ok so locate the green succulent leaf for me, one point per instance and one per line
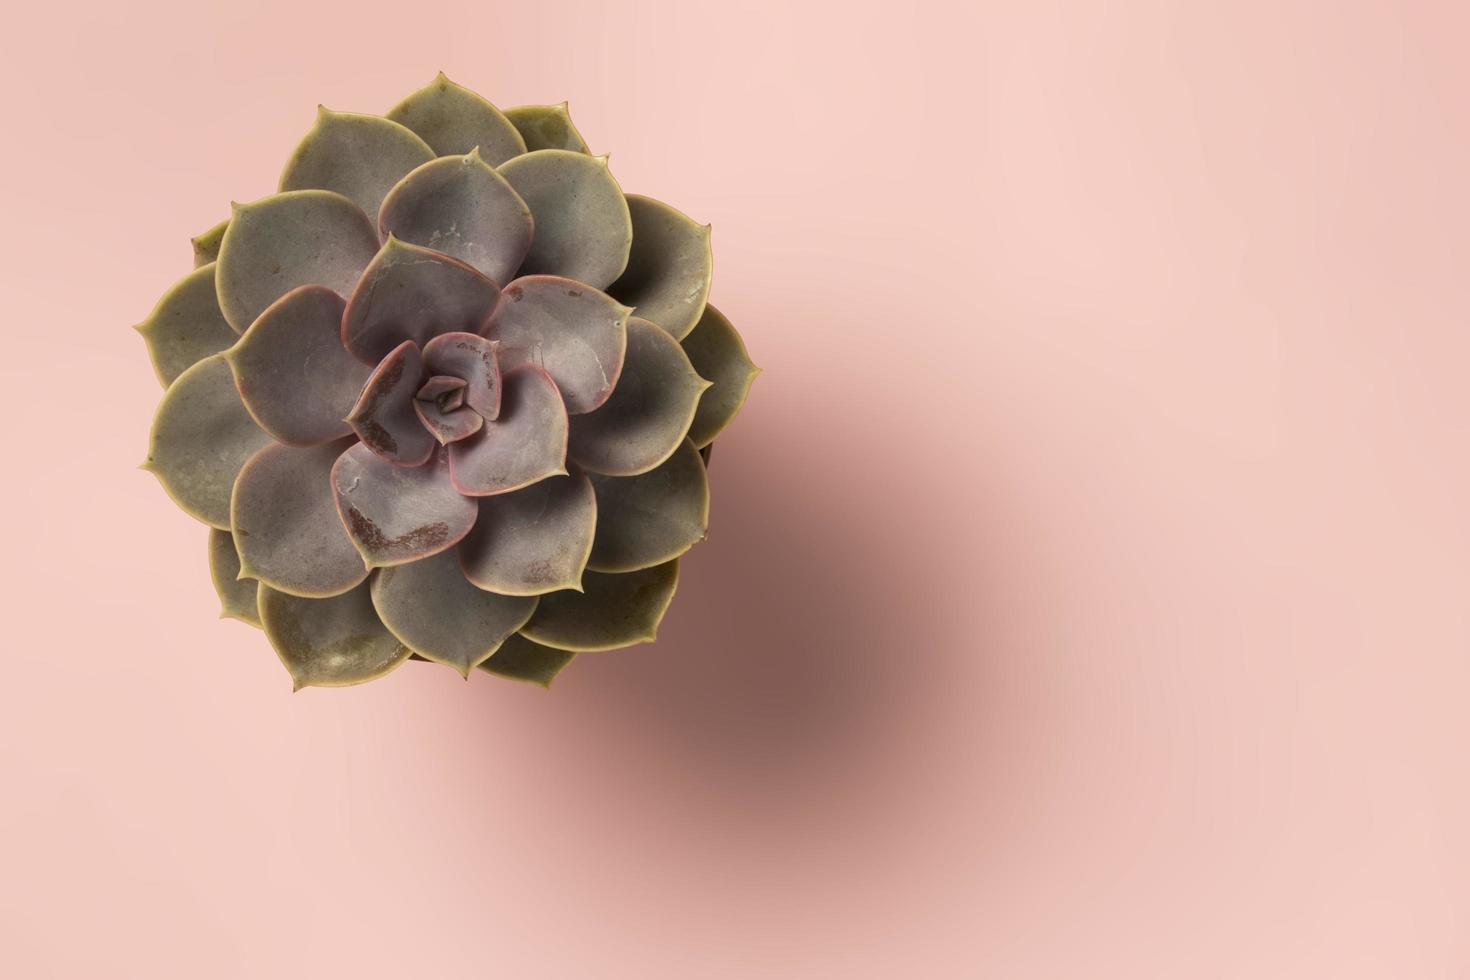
(284, 515)
(577, 334)
(650, 518)
(583, 231)
(669, 267)
(462, 207)
(527, 441)
(398, 514)
(519, 659)
(201, 437)
(414, 293)
(532, 541)
(186, 326)
(206, 246)
(384, 417)
(613, 610)
(298, 238)
(359, 156)
(547, 127)
(718, 353)
(236, 594)
(649, 412)
(331, 642)
(294, 375)
(438, 614)
(453, 120)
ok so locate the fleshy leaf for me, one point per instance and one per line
(526, 443)
(647, 519)
(649, 412)
(534, 540)
(448, 425)
(287, 240)
(330, 642)
(613, 611)
(471, 358)
(432, 608)
(286, 525)
(519, 659)
(441, 387)
(202, 435)
(718, 353)
(206, 246)
(359, 156)
(294, 375)
(577, 334)
(453, 120)
(236, 594)
(186, 326)
(669, 268)
(583, 230)
(396, 514)
(414, 293)
(547, 127)
(461, 206)
(384, 418)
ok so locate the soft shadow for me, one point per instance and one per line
(801, 642)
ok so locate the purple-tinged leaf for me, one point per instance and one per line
(613, 610)
(575, 333)
(462, 207)
(534, 540)
(294, 375)
(471, 358)
(359, 156)
(438, 614)
(527, 441)
(414, 293)
(441, 387)
(298, 238)
(583, 230)
(201, 437)
(649, 412)
(396, 514)
(286, 526)
(384, 417)
(448, 426)
(330, 642)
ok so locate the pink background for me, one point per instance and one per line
(1087, 587)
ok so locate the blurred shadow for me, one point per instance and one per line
(802, 640)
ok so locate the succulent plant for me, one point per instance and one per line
(447, 395)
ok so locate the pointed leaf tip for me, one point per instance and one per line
(582, 226)
(648, 413)
(617, 610)
(463, 207)
(329, 642)
(669, 268)
(452, 119)
(717, 353)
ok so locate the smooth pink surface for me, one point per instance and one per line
(1087, 593)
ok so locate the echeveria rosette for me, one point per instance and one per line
(447, 395)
